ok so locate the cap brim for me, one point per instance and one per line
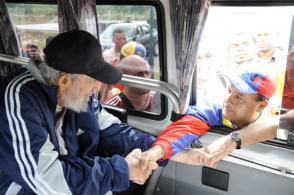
(238, 83)
(107, 74)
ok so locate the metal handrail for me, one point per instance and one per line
(14, 59)
(164, 88)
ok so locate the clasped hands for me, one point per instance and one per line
(141, 164)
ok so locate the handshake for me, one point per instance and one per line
(141, 164)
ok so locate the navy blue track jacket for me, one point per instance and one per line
(30, 158)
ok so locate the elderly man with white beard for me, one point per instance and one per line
(52, 131)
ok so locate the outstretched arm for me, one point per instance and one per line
(174, 138)
(222, 147)
(180, 134)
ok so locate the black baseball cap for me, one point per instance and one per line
(79, 52)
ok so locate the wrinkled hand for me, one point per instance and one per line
(151, 156)
(136, 173)
(192, 156)
(218, 150)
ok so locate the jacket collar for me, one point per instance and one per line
(51, 92)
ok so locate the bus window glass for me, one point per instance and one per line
(124, 30)
(246, 38)
(129, 40)
(35, 24)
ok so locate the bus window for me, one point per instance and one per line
(130, 42)
(35, 24)
(123, 30)
(248, 37)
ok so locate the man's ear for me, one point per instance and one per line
(262, 105)
(64, 80)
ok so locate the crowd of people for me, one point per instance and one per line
(258, 50)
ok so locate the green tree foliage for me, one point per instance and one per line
(32, 13)
(36, 13)
(122, 12)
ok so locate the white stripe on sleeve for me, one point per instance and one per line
(21, 140)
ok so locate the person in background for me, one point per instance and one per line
(131, 97)
(242, 49)
(119, 39)
(207, 81)
(268, 52)
(130, 48)
(34, 53)
(272, 59)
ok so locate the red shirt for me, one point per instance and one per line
(288, 97)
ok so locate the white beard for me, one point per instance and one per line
(75, 103)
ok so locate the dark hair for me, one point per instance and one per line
(116, 31)
(261, 98)
(249, 36)
(32, 46)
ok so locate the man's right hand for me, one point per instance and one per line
(136, 173)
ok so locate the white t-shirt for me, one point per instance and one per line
(111, 56)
